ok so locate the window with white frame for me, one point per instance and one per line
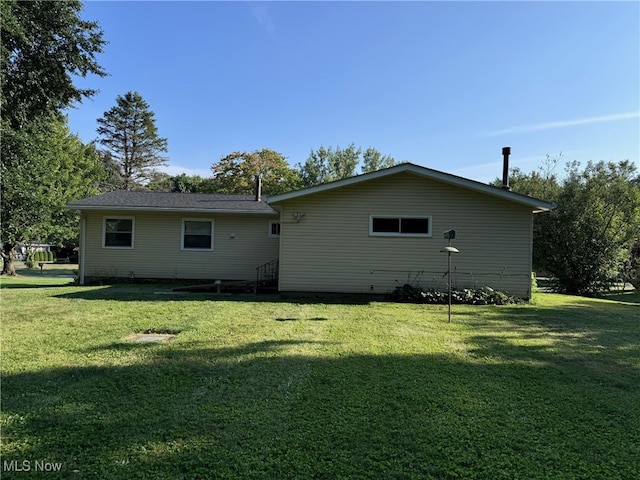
(117, 232)
(400, 226)
(274, 229)
(197, 234)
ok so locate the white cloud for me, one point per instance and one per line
(564, 123)
(261, 14)
(175, 170)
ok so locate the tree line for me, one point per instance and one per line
(591, 240)
(132, 150)
(235, 173)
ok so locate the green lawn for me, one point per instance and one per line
(314, 387)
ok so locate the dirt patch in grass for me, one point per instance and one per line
(154, 335)
(150, 337)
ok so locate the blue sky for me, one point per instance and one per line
(441, 84)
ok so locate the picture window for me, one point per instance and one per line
(391, 226)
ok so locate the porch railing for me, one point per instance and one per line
(267, 275)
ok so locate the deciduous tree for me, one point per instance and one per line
(585, 242)
(160, 182)
(113, 179)
(53, 167)
(329, 164)
(183, 183)
(236, 172)
(43, 44)
(373, 160)
(128, 132)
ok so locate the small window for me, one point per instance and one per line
(274, 229)
(197, 234)
(118, 232)
(391, 226)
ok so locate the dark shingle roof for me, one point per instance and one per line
(171, 201)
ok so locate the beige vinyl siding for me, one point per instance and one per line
(330, 248)
(241, 243)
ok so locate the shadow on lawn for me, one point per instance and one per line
(631, 297)
(581, 326)
(50, 277)
(126, 292)
(260, 410)
(183, 352)
(297, 319)
(44, 283)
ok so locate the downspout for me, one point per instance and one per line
(280, 211)
(83, 243)
(529, 289)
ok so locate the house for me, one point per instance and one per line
(140, 234)
(364, 234)
(373, 232)
(22, 249)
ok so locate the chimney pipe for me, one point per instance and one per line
(506, 151)
(258, 188)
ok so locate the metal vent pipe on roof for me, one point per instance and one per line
(506, 151)
(258, 188)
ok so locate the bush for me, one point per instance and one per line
(485, 296)
(36, 257)
(408, 293)
(29, 262)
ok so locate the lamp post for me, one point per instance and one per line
(449, 235)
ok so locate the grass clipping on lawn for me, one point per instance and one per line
(374, 390)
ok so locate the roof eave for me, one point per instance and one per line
(124, 208)
(548, 208)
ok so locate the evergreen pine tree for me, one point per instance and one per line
(129, 133)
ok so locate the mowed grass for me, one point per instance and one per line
(271, 388)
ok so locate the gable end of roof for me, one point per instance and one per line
(536, 204)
